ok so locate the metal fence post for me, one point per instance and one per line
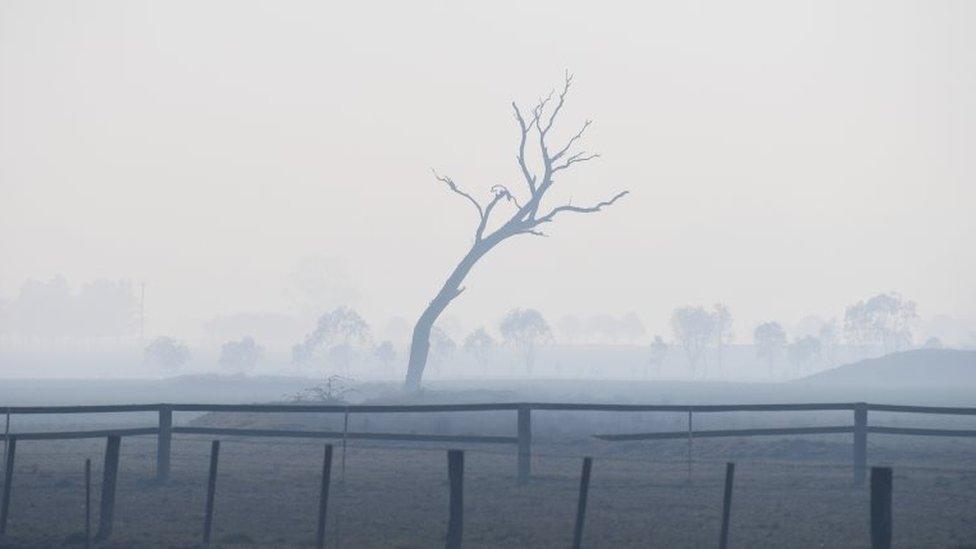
(860, 442)
(87, 503)
(164, 442)
(455, 522)
(110, 475)
(324, 496)
(6, 434)
(723, 540)
(345, 434)
(881, 508)
(524, 443)
(211, 491)
(581, 503)
(8, 481)
(690, 436)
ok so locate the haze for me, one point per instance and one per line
(786, 159)
(264, 265)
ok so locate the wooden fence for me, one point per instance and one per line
(522, 439)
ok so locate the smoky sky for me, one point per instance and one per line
(786, 158)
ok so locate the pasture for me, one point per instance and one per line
(789, 491)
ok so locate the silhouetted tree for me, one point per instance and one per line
(442, 347)
(333, 341)
(528, 216)
(241, 356)
(933, 343)
(167, 353)
(693, 328)
(828, 342)
(482, 347)
(524, 330)
(885, 320)
(385, 353)
(722, 330)
(802, 352)
(770, 340)
(659, 352)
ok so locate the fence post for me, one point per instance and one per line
(524, 443)
(164, 442)
(211, 488)
(860, 442)
(8, 480)
(881, 508)
(110, 475)
(6, 432)
(581, 505)
(345, 433)
(324, 496)
(455, 523)
(723, 542)
(87, 503)
(690, 432)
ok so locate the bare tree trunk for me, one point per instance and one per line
(420, 342)
(525, 220)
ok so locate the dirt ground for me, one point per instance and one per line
(788, 493)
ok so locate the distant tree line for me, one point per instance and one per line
(341, 343)
(342, 338)
(879, 325)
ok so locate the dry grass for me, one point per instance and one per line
(788, 493)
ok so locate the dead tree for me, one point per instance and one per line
(530, 214)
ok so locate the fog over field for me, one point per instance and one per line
(241, 168)
(426, 203)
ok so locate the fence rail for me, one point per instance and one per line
(164, 430)
(730, 433)
(75, 435)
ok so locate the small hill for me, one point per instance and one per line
(919, 368)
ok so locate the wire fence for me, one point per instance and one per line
(389, 493)
(392, 495)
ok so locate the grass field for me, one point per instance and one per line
(788, 493)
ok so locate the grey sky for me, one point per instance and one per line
(784, 157)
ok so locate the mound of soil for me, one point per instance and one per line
(920, 368)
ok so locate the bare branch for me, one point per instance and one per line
(575, 159)
(579, 209)
(496, 189)
(480, 232)
(453, 186)
(539, 185)
(572, 140)
(526, 217)
(559, 103)
(539, 108)
(524, 220)
(524, 129)
(500, 193)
